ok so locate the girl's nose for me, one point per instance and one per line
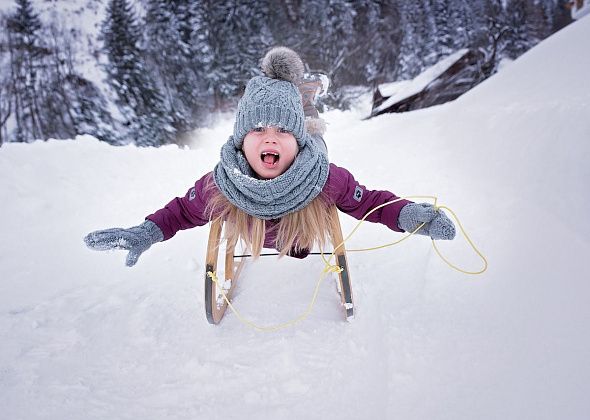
(271, 135)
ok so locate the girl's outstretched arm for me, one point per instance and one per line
(356, 200)
(181, 213)
(184, 212)
(403, 215)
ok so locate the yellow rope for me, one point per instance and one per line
(435, 199)
(331, 268)
(277, 327)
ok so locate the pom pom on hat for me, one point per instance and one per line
(282, 63)
(273, 99)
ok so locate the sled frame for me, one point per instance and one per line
(344, 282)
(215, 304)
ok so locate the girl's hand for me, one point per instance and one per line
(136, 240)
(438, 225)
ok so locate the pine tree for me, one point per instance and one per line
(169, 55)
(241, 35)
(523, 23)
(444, 32)
(468, 21)
(5, 83)
(329, 46)
(138, 96)
(377, 26)
(412, 49)
(46, 94)
(515, 12)
(27, 52)
(338, 46)
(84, 103)
(90, 110)
(196, 30)
(54, 99)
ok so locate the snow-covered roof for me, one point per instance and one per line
(390, 89)
(406, 88)
(580, 11)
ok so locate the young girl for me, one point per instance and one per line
(273, 185)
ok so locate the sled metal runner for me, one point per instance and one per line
(215, 304)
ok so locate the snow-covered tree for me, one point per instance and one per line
(26, 51)
(196, 26)
(5, 83)
(42, 90)
(377, 26)
(169, 57)
(79, 105)
(329, 45)
(414, 43)
(139, 99)
(240, 35)
(528, 24)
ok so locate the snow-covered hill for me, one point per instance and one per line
(85, 337)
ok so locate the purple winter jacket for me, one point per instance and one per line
(340, 189)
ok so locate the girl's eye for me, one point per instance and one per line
(258, 129)
(282, 130)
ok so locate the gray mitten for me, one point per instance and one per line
(136, 240)
(438, 225)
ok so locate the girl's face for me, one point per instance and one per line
(270, 151)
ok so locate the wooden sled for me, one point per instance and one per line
(215, 304)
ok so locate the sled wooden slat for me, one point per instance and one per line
(214, 307)
(342, 262)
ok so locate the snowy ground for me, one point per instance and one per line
(84, 337)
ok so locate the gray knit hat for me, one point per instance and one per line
(273, 99)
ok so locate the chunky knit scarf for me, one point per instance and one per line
(272, 198)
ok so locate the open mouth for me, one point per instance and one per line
(269, 158)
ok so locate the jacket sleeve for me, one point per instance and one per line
(184, 212)
(356, 200)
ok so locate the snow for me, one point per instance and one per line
(399, 91)
(83, 336)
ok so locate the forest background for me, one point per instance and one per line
(150, 71)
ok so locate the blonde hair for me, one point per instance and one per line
(295, 231)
